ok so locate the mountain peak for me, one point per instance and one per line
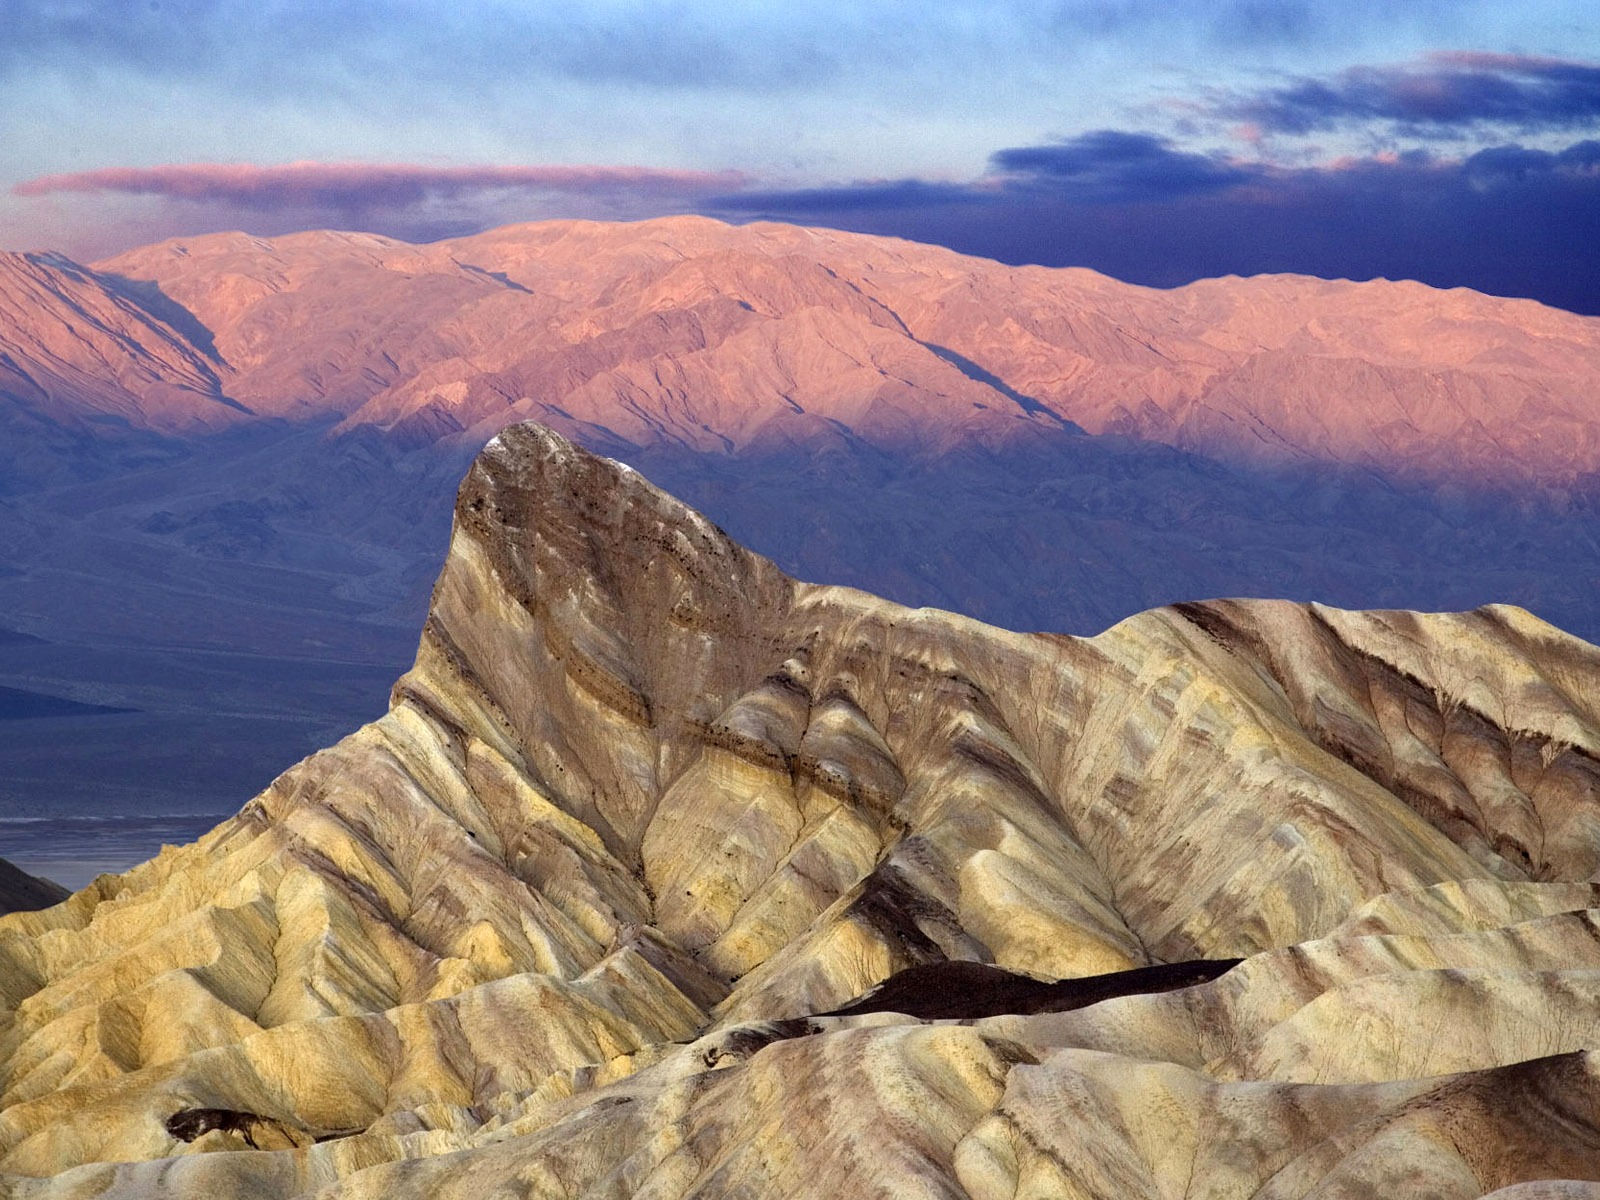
(647, 816)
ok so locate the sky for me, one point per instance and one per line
(1452, 141)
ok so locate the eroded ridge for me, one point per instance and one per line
(594, 909)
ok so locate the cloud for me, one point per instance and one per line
(759, 45)
(1112, 166)
(1106, 166)
(1508, 220)
(1222, 22)
(367, 185)
(684, 44)
(1238, 27)
(95, 213)
(1442, 91)
(408, 200)
(1516, 164)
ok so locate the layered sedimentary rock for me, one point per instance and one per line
(593, 909)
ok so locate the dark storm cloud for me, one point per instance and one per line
(1443, 91)
(1109, 165)
(1508, 220)
(1505, 164)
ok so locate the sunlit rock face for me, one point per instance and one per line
(571, 919)
(1376, 444)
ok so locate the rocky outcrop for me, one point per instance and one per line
(567, 920)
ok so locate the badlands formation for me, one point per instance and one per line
(592, 910)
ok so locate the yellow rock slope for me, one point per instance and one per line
(568, 920)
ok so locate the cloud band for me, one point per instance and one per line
(370, 185)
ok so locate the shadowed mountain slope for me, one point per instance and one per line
(21, 892)
(559, 922)
(1430, 444)
(79, 347)
(93, 370)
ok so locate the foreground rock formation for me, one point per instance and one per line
(592, 909)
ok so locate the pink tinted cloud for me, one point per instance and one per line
(367, 185)
(1495, 60)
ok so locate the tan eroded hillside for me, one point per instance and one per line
(565, 921)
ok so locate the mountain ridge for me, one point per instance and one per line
(1151, 355)
(86, 330)
(21, 892)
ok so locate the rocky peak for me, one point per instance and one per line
(596, 901)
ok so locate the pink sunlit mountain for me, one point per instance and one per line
(692, 332)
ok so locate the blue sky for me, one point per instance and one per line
(1454, 142)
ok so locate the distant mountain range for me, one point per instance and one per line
(226, 462)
